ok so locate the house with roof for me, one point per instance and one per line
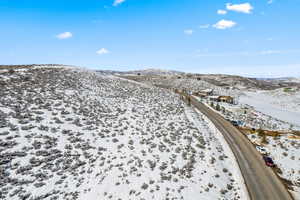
(226, 99)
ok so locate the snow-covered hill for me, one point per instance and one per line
(282, 79)
(147, 72)
(214, 80)
(67, 133)
(281, 103)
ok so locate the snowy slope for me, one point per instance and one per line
(277, 103)
(72, 134)
(189, 84)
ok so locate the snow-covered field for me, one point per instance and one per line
(277, 103)
(72, 134)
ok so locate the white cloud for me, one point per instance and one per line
(224, 24)
(102, 51)
(64, 35)
(243, 8)
(204, 26)
(270, 1)
(188, 32)
(222, 12)
(118, 2)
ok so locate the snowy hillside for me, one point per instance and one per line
(148, 72)
(182, 82)
(283, 79)
(66, 133)
(278, 103)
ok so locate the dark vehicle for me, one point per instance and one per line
(234, 123)
(269, 162)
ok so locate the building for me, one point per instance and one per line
(227, 99)
(207, 92)
(203, 93)
(200, 94)
(214, 98)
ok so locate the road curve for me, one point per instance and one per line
(262, 183)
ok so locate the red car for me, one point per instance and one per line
(269, 162)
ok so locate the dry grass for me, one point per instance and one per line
(297, 133)
(294, 137)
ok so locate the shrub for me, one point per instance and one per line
(11, 71)
(260, 133)
(264, 139)
(223, 109)
(144, 186)
(287, 89)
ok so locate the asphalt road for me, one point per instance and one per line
(262, 183)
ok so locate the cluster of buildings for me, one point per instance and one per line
(209, 94)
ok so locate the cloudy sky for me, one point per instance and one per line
(253, 38)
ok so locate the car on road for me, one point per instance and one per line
(261, 150)
(269, 162)
(234, 123)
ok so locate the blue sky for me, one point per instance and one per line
(253, 38)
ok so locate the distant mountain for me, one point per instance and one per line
(234, 81)
(150, 71)
(282, 79)
(220, 80)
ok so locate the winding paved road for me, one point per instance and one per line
(261, 181)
